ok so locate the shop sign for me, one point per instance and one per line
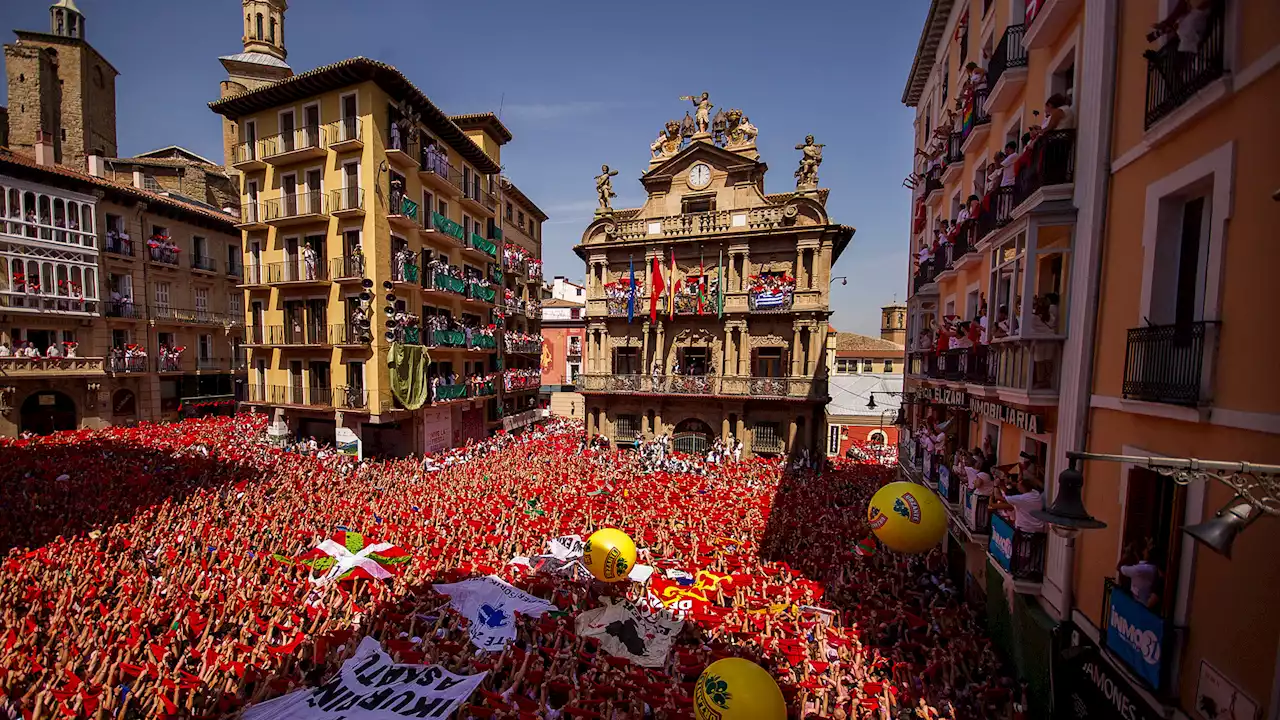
(1024, 420)
(945, 396)
(1087, 687)
(1000, 547)
(1135, 635)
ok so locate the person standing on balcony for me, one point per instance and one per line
(1008, 172)
(1142, 574)
(309, 260)
(5, 350)
(1188, 20)
(1022, 503)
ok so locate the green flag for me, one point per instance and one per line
(720, 285)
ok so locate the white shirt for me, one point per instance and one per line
(1142, 579)
(1008, 174)
(5, 351)
(1023, 504)
(979, 482)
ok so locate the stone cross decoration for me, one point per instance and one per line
(807, 173)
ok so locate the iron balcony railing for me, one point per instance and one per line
(434, 280)
(1024, 550)
(297, 270)
(256, 274)
(764, 302)
(1052, 162)
(1009, 54)
(292, 395)
(124, 309)
(253, 212)
(118, 244)
(348, 334)
(204, 262)
(1175, 74)
(305, 333)
(213, 363)
(976, 115)
(295, 205)
(128, 364)
(407, 272)
(346, 199)
(1166, 363)
(447, 226)
(997, 210)
(932, 181)
(352, 397)
(950, 364)
(189, 316)
(434, 162)
(711, 385)
(348, 267)
(347, 129)
(235, 269)
(977, 512)
(164, 256)
(309, 137)
(954, 153)
(255, 335)
(170, 363)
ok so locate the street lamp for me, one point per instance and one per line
(843, 280)
(1067, 515)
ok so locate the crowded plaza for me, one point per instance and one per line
(163, 571)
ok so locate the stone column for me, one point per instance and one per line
(791, 436)
(795, 349)
(741, 431)
(802, 279)
(744, 351)
(730, 359)
(815, 350)
(724, 427)
(660, 350)
(646, 363)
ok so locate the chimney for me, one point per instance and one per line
(44, 149)
(137, 179)
(97, 165)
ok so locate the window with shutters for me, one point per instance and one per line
(162, 295)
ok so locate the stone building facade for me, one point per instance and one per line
(723, 331)
(62, 88)
(523, 347)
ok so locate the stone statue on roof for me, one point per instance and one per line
(604, 190)
(702, 118)
(807, 173)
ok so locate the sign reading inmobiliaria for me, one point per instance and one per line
(371, 686)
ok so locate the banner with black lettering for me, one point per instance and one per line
(625, 630)
(371, 686)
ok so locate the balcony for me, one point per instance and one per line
(21, 367)
(350, 336)
(447, 339)
(447, 226)
(204, 263)
(347, 202)
(297, 271)
(349, 268)
(247, 156)
(515, 381)
(477, 340)
(479, 244)
(1174, 76)
(1046, 20)
(924, 364)
(253, 216)
(977, 121)
(299, 144)
(212, 364)
(404, 272)
(164, 255)
(923, 282)
(402, 213)
(976, 513)
(352, 398)
(185, 316)
(297, 209)
(767, 302)
(479, 198)
(479, 292)
(1167, 363)
(1049, 174)
(255, 336)
(345, 134)
(717, 222)
(798, 388)
(171, 364)
(953, 159)
(434, 170)
(118, 243)
(1138, 637)
(296, 395)
(401, 152)
(310, 334)
(933, 184)
(256, 275)
(448, 393)
(235, 269)
(436, 281)
(488, 388)
(125, 309)
(514, 344)
(1018, 553)
(135, 365)
(1007, 71)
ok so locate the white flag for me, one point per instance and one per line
(626, 631)
(490, 604)
(371, 686)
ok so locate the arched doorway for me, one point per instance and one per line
(48, 411)
(692, 436)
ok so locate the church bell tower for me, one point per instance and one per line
(261, 63)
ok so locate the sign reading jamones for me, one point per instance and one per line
(1024, 420)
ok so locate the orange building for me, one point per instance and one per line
(564, 329)
(1093, 298)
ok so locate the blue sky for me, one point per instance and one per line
(579, 84)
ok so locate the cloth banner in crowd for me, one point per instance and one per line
(490, 605)
(350, 556)
(770, 299)
(409, 381)
(564, 553)
(625, 630)
(371, 686)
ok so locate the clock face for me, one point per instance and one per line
(699, 176)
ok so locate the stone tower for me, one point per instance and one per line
(893, 323)
(61, 89)
(261, 62)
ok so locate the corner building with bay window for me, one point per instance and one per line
(709, 236)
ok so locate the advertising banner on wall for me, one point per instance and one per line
(348, 442)
(1135, 634)
(1001, 544)
(436, 430)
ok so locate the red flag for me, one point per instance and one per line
(656, 287)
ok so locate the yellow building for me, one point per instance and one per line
(1095, 273)
(524, 351)
(707, 307)
(370, 230)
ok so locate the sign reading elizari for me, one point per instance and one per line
(945, 396)
(370, 686)
(1022, 419)
(1135, 635)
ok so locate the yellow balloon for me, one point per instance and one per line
(609, 554)
(907, 517)
(737, 689)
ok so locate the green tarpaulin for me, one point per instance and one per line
(409, 380)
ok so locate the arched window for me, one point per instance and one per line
(271, 31)
(91, 283)
(258, 20)
(47, 285)
(63, 277)
(86, 221)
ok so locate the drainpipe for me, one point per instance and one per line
(1101, 33)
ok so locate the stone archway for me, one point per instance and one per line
(693, 436)
(47, 411)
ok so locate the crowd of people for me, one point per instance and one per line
(28, 349)
(139, 578)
